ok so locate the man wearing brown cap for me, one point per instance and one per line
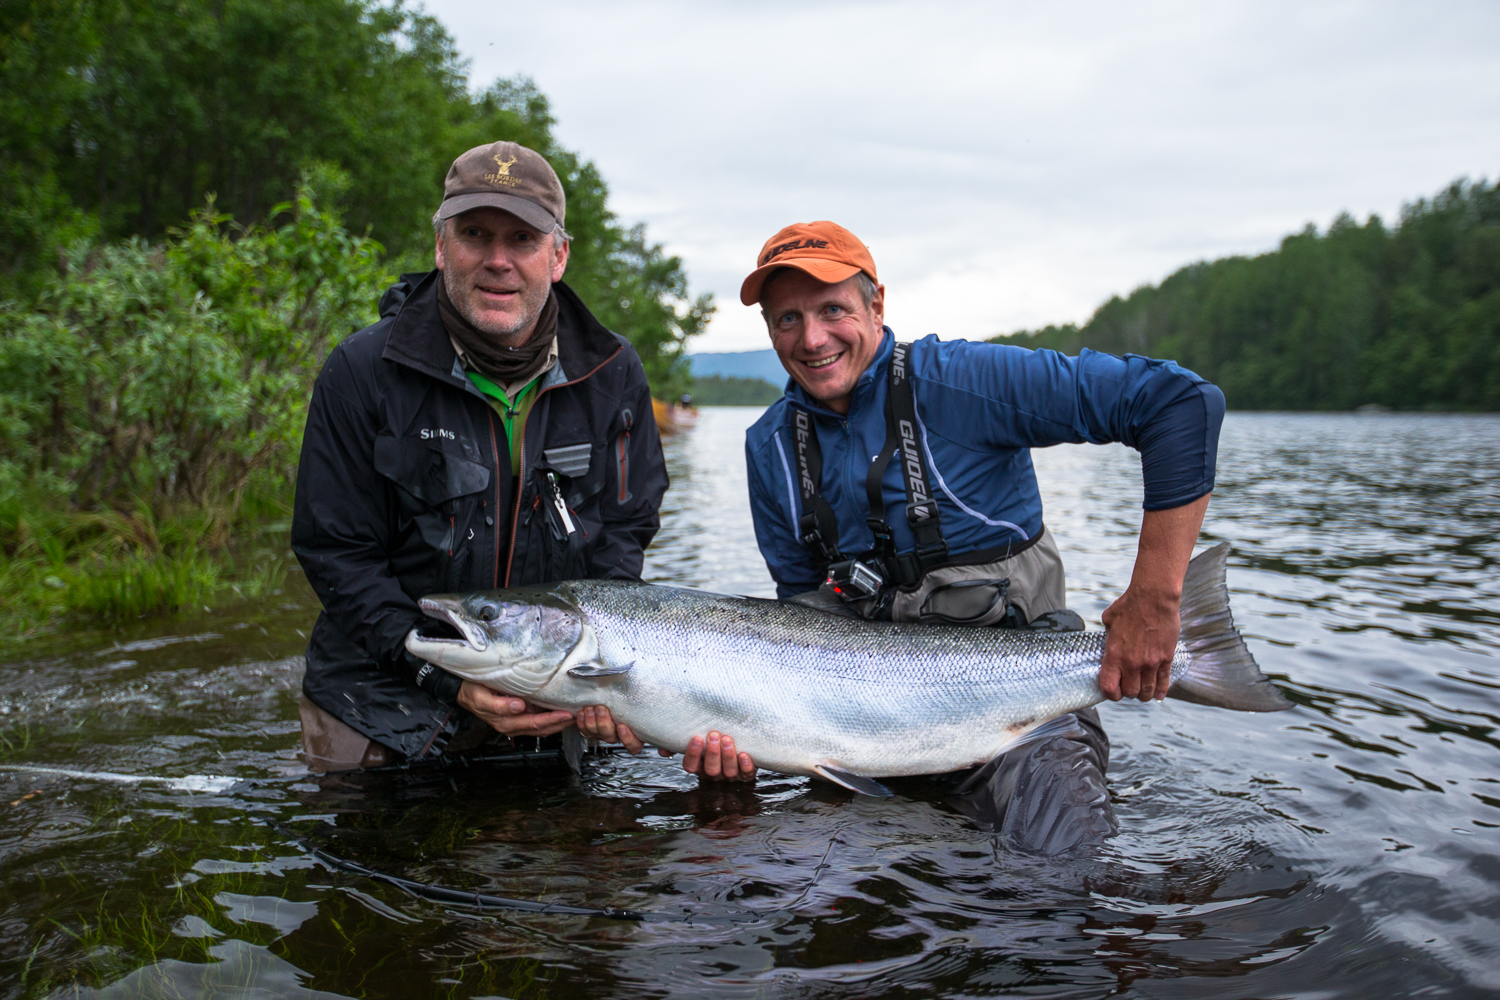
(486, 432)
(894, 481)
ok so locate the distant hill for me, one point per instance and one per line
(740, 364)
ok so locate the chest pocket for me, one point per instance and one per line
(574, 461)
(429, 474)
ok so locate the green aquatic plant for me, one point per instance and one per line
(108, 566)
(137, 585)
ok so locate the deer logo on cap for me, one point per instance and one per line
(502, 173)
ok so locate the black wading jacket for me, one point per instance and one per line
(404, 489)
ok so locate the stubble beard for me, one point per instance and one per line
(512, 334)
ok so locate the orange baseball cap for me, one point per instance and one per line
(825, 250)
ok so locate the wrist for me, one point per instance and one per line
(435, 680)
(1156, 595)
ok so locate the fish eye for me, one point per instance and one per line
(487, 612)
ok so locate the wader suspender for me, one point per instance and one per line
(819, 526)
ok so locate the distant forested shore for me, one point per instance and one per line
(730, 390)
(1404, 316)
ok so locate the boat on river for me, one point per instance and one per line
(674, 418)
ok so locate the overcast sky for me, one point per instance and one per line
(1009, 165)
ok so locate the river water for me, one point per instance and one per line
(1346, 848)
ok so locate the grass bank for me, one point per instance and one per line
(62, 565)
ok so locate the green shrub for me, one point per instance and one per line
(171, 375)
(153, 396)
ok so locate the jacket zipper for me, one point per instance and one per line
(622, 460)
(515, 517)
(495, 450)
(557, 503)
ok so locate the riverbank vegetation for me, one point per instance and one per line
(197, 201)
(1405, 317)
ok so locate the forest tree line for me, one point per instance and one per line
(118, 118)
(732, 390)
(1404, 316)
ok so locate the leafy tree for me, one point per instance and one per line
(239, 98)
(40, 92)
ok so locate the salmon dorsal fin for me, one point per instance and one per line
(853, 782)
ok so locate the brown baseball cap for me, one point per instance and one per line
(825, 250)
(508, 176)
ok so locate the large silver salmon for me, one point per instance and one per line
(807, 692)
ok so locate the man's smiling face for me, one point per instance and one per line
(499, 271)
(825, 335)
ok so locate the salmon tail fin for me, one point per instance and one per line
(1221, 672)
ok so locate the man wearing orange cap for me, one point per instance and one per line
(895, 480)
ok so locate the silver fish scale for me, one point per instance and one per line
(797, 687)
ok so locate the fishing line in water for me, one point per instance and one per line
(484, 902)
(186, 783)
(459, 897)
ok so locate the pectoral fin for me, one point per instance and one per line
(573, 747)
(853, 782)
(596, 669)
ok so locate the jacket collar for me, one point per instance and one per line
(866, 387)
(419, 341)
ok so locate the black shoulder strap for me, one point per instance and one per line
(818, 528)
(921, 509)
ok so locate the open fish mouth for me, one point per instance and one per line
(449, 613)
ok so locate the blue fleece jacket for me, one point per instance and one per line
(980, 409)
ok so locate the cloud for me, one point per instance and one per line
(1009, 165)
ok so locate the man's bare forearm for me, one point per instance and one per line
(1166, 547)
(1144, 623)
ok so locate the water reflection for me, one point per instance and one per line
(1347, 848)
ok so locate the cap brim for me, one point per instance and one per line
(830, 272)
(528, 212)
